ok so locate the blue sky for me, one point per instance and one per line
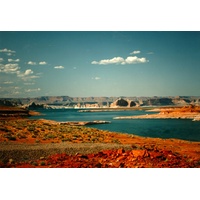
(103, 63)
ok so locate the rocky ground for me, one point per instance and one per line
(111, 158)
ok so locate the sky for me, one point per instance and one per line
(101, 63)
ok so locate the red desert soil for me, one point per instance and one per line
(42, 143)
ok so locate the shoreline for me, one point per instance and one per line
(190, 112)
(194, 117)
(16, 112)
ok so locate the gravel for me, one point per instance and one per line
(28, 152)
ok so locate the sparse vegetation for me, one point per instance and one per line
(44, 132)
(41, 131)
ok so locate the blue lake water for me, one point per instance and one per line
(161, 128)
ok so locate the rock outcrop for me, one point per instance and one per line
(35, 106)
(119, 102)
(123, 103)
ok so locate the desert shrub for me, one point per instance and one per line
(31, 129)
(51, 136)
(61, 136)
(12, 138)
(34, 163)
(36, 132)
(94, 139)
(46, 124)
(76, 135)
(7, 135)
(42, 163)
(116, 141)
(4, 129)
(19, 128)
(66, 140)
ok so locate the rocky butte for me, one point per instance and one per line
(123, 103)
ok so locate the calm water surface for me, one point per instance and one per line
(162, 128)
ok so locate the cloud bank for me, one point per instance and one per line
(14, 74)
(8, 52)
(27, 75)
(9, 68)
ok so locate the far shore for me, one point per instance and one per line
(190, 112)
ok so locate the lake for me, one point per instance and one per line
(160, 128)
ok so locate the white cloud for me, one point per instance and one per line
(135, 52)
(94, 63)
(26, 75)
(12, 60)
(28, 72)
(42, 63)
(96, 78)
(29, 83)
(6, 51)
(120, 60)
(59, 67)
(33, 77)
(135, 60)
(115, 60)
(31, 63)
(33, 90)
(28, 78)
(9, 68)
(8, 82)
(1, 59)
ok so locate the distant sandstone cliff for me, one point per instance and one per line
(50, 101)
